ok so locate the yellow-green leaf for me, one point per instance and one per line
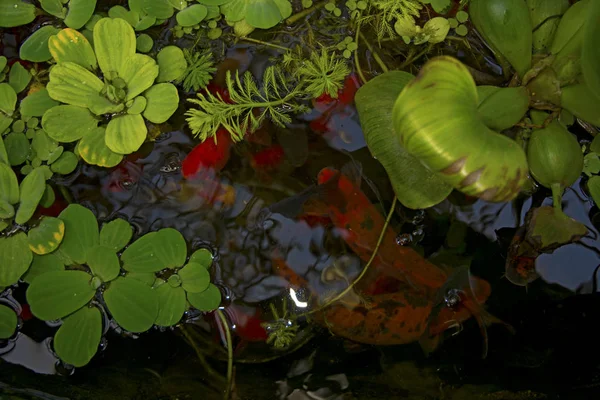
(93, 149)
(47, 236)
(114, 42)
(67, 124)
(71, 46)
(162, 101)
(126, 133)
(78, 338)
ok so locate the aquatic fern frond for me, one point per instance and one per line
(248, 108)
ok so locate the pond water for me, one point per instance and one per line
(272, 257)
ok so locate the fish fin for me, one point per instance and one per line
(430, 344)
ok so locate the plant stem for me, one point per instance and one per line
(229, 354)
(365, 269)
(298, 16)
(412, 58)
(378, 59)
(557, 196)
(356, 60)
(201, 358)
(275, 46)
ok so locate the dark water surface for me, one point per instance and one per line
(553, 352)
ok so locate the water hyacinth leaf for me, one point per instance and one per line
(47, 236)
(141, 255)
(18, 77)
(501, 108)
(114, 42)
(103, 262)
(68, 124)
(132, 304)
(171, 64)
(139, 73)
(17, 147)
(569, 34)
(15, 258)
(54, 7)
(125, 134)
(81, 232)
(192, 15)
(32, 189)
(162, 101)
(15, 13)
(78, 338)
(590, 54)
(161, 9)
(66, 163)
(37, 103)
(42, 264)
(56, 294)
(543, 15)
(416, 186)
(581, 101)
(506, 26)
(80, 12)
(550, 228)
(454, 141)
(208, 300)
(8, 321)
(194, 278)
(8, 99)
(116, 234)
(93, 149)
(69, 45)
(203, 257)
(72, 84)
(9, 185)
(172, 304)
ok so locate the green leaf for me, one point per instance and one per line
(544, 15)
(47, 236)
(439, 6)
(43, 145)
(48, 197)
(192, 15)
(103, 262)
(3, 63)
(416, 186)
(54, 7)
(506, 26)
(208, 300)
(551, 228)
(568, 38)
(125, 134)
(6, 210)
(131, 17)
(263, 14)
(139, 73)
(132, 304)
(155, 251)
(144, 43)
(66, 163)
(203, 257)
(15, 13)
(172, 304)
(68, 124)
(9, 186)
(161, 9)
(41, 265)
(18, 77)
(56, 294)
(5, 122)
(8, 321)
(501, 108)
(162, 102)
(78, 338)
(114, 42)
(147, 278)
(81, 232)
(590, 54)
(17, 147)
(581, 101)
(3, 154)
(171, 63)
(71, 46)
(195, 278)
(93, 149)
(116, 234)
(453, 140)
(80, 12)
(593, 185)
(32, 189)
(37, 103)
(8, 99)
(15, 258)
(138, 105)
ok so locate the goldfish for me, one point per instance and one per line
(212, 153)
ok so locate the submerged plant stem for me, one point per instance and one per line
(201, 358)
(229, 354)
(365, 269)
(298, 16)
(378, 59)
(356, 60)
(263, 43)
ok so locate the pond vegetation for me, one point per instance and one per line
(250, 181)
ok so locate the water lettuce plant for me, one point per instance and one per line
(134, 89)
(146, 284)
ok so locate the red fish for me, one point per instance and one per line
(268, 159)
(329, 106)
(213, 154)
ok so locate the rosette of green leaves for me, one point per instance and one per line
(262, 14)
(436, 119)
(134, 89)
(186, 283)
(434, 31)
